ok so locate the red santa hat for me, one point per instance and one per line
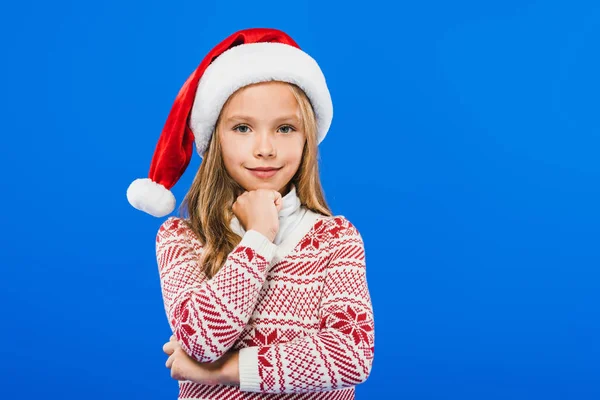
(246, 57)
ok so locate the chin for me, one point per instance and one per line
(265, 185)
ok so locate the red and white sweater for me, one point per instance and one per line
(299, 312)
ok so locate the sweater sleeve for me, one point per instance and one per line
(208, 315)
(341, 354)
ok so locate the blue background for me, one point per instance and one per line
(464, 147)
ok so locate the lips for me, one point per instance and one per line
(263, 172)
(264, 169)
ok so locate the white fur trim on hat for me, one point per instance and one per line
(250, 63)
(150, 197)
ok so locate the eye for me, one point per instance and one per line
(242, 128)
(286, 129)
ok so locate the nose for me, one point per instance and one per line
(264, 146)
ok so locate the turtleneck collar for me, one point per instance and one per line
(289, 216)
(290, 203)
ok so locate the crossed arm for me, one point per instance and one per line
(340, 355)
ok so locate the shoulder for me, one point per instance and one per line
(344, 241)
(337, 227)
(172, 226)
(173, 229)
(339, 223)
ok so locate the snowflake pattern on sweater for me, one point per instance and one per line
(302, 319)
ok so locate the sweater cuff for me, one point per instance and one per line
(248, 365)
(260, 243)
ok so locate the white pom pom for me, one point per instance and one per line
(150, 197)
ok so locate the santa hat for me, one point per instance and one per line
(246, 57)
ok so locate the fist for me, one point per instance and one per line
(259, 210)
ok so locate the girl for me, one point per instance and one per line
(264, 289)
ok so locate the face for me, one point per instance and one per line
(261, 128)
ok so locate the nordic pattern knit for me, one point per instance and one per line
(299, 312)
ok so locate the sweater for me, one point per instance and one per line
(299, 312)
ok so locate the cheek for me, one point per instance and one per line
(232, 152)
(294, 153)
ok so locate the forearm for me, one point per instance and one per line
(224, 371)
(209, 319)
(230, 372)
(207, 316)
(329, 360)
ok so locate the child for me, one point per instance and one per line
(264, 289)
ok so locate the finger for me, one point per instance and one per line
(276, 197)
(169, 362)
(168, 348)
(172, 338)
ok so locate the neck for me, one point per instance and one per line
(291, 203)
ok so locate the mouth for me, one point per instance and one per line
(264, 169)
(263, 172)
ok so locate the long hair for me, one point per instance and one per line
(212, 193)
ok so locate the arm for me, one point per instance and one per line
(208, 315)
(341, 354)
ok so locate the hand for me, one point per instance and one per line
(185, 368)
(259, 210)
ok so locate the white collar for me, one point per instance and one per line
(290, 203)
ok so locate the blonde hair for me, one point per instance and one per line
(212, 193)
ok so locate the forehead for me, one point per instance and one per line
(262, 99)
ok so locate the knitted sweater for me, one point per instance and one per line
(299, 313)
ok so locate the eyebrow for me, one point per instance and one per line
(239, 117)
